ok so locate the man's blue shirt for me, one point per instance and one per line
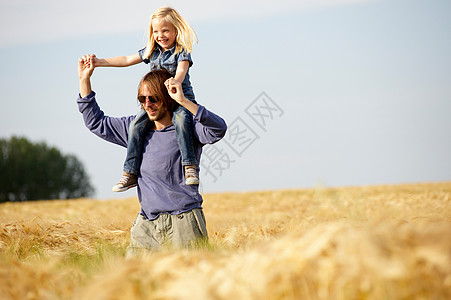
(161, 184)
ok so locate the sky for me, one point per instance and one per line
(315, 93)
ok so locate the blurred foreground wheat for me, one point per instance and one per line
(379, 242)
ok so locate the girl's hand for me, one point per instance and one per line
(95, 60)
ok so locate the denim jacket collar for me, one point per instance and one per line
(172, 50)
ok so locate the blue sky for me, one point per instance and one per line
(360, 90)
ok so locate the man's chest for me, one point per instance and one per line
(161, 153)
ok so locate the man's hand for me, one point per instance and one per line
(85, 69)
(176, 92)
(85, 66)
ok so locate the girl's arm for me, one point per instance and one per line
(180, 73)
(118, 61)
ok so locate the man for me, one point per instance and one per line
(171, 211)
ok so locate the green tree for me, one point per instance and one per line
(33, 171)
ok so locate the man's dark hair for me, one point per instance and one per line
(154, 81)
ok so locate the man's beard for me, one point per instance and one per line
(160, 114)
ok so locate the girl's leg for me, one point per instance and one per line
(183, 122)
(136, 130)
(132, 162)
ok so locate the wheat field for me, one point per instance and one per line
(372, 242)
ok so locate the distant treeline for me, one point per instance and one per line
(35, 171)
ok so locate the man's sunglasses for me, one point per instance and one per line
(142, 99)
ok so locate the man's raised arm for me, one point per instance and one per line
(208, 127)
(114, 130)
(85, 69)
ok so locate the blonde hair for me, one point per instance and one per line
(185, 33)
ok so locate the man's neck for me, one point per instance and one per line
(162, 123)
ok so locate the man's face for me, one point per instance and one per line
(155, 111)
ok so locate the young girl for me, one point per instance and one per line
(169, 45)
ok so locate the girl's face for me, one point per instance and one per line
(164, 33)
